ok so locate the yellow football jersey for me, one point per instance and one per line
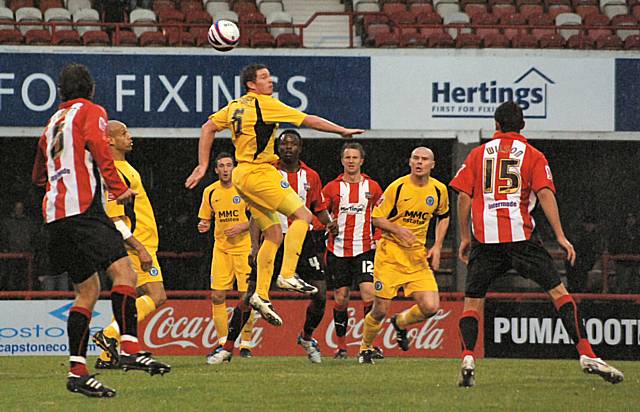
(412, 206)
(138, 214)
(226, 208)
(253, 120)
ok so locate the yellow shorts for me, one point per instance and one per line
(394, 268)
(226, 267)
(266, 191)
(153, 275)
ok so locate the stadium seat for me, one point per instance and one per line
(198, 17)
(580, 41)
(95, 38)
(402, 17)
(609, 42)
(212, 7)
(512, 20)
(27, 15)
(412, 40)
(6, 19)
(552, 41)
(57, 14)
(75, 5)
(530, 7)
(457, 18)
(597, 20)
(417, 8)
(37, 37)
(226, 15)
(440, 41)
(473, 7)
(280, 22)
(485, 19)
(428, 18)
(270, 6)
(202, 39)
(390, 8)
(446, 7)
(373, 30)
(495, 41)
(625, 20)
(585, 7)
(160, 5)
(386, 40)
(152, 39)
(45, 5)
(142, 16)
(544, 22)
(262, 39)
(169, 18)
(612, 8)
(468, 41)
(502, 7)
(82, 17)
(247, 32)
(66, 38)
(366, 6)
(18, 4)
(187, 6)
(524, 41)
(244, 8)
(555, 7)
(635, 8)
(632, 42)
(568, 19)
(288, 40)
(252, 18)
(11, 37)
(125, 38)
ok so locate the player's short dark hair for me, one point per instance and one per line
(510, 117)
(248, 73)
(352, 145)
(290, 132)
(75, 82)
(223, 155)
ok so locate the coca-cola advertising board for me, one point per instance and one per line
(185, 327)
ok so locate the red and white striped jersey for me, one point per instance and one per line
(307, 184)
(502, 177)
(350, 204)
(72, 159)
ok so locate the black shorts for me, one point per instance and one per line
(350, 271)
(489, 261)
(82, 245)
(309, 267)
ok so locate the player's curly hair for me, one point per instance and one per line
(75, 82)
(510, 117)
(248, 73)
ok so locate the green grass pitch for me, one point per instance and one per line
(292, 383)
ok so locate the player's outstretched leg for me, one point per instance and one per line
(293, 241)
(145, 362)
(469, 334)
(597, 366)
(265, 308)
(88, 385)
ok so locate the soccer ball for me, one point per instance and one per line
(224, 35)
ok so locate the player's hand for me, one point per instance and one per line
(332, 227)
(126, 197)
(568, 247)
(351, 132)
(204, 226)
(433, 255)
(233, 231)
(146, 261)
(195, 177)
(405, 236)
(463, 250)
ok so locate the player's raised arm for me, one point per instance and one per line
(324, 125)
(205, 144)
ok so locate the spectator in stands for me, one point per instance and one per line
(587, 243)
(625, 240)
(18, 231)
(113, 11)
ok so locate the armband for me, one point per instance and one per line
(123, 229)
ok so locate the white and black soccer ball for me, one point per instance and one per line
(224, 35)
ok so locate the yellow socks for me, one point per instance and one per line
(293, 241)
(409, 317)
(265, 260)
(371, 329)
(221, 322)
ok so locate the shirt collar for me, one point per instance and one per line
(70, 103)
(509, 135)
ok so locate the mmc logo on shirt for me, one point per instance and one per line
(480, 99)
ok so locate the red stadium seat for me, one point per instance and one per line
(37, 36)
(373, 30)
(541, 20)
(428, 18)
(247, 32)
(468, 41)
(529, 7)
(152, 39)
(386, 40)
(374, 19)
(390, 8)
(288, 40)
(552, 41)
(159, 5)
(245, 8)
(412, 40)
(125, 38)
(440, 40)
(485, 19)
(609, 42)
(579, 41)
(632, 42)
(202, 39)
(524, 41)
(11, 36)
(262, 39)
(473, 7)
(585, 7)
(597, 20)
(17, 4)
(402, 17)
(170, 16)
(175, 38)
(188, 6)
(66, 38)
(252, 18)
(95, 38)
(47, 4)
(513, 20)
(417, 8)
(555, 7)
(198, 17)
(495, 41)
(502, 7)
